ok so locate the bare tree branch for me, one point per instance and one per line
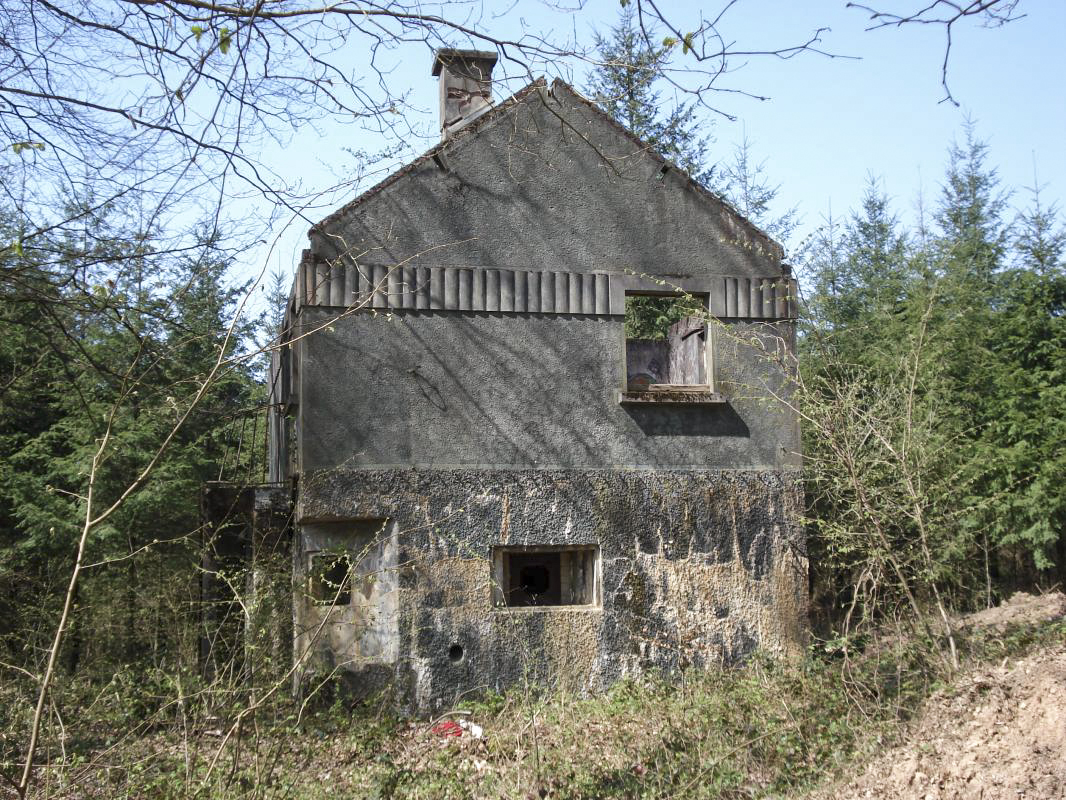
(946, 13)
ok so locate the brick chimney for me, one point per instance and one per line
(465, 86)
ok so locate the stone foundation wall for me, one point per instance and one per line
(695, 568)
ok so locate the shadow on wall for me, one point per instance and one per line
(721, 420)
(505, 389)
(529, 365)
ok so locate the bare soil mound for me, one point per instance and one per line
(998, 732)
(1021, 609)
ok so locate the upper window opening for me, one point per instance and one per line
(650, 316)
(666, 343)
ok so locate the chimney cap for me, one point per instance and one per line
(449, 55)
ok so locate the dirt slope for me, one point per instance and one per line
(999, 732)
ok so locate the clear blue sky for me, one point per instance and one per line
(829, 122)
(832, 121)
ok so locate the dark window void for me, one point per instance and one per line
(666, 342)
(331, 578)
(345, 557)
(529, 577)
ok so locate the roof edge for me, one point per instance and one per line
(775, 246)
(452, 141)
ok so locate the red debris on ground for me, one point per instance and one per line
(447, 728)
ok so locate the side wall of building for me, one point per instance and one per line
(460, 430)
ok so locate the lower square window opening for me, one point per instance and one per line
(536, 576)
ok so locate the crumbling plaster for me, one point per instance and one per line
(698, 568)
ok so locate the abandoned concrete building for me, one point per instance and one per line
(492, 485)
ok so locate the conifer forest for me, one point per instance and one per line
(928, 375)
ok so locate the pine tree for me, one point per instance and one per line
(973, 237)
(823, 261)
(877, 254)
(860, 313)
(997, 351)
(95, 346)
(277, 301)
(1040, 239)
(624, 84)
(743, 182)
(1025, 414)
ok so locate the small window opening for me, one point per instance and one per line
(666, 343)
(530, 577)
(331, 579)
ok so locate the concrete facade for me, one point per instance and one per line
(494, 501)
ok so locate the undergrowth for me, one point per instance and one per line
(769, 730)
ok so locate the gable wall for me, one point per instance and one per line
(551, 185)
(544, 216)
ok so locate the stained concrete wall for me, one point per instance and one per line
(364, 630)
(470, 431)
(698, 568)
